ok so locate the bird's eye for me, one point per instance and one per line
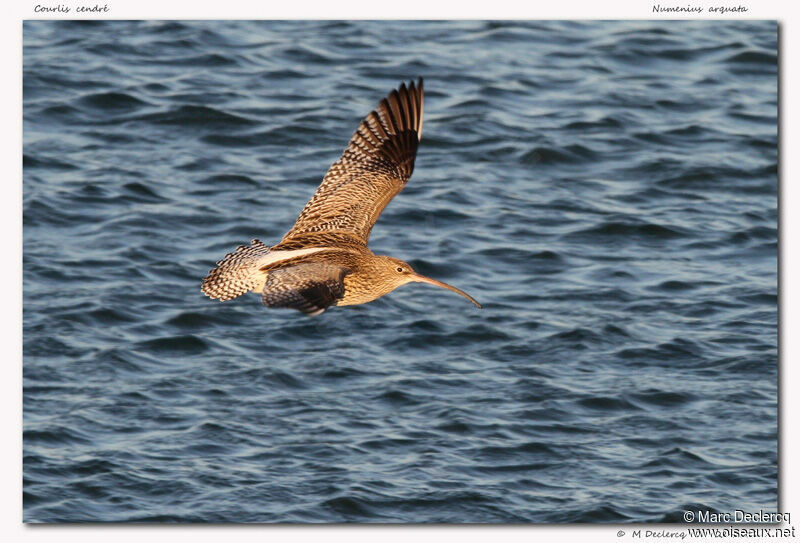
(400, 270)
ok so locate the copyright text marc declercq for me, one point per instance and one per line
(60, 8)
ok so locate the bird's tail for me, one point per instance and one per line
(237, 273)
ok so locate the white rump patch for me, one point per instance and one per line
(277, 256)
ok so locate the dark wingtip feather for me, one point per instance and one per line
(402, 109)
(393, 129)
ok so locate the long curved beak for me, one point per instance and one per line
(417, 278)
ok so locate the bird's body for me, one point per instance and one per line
(324, 259)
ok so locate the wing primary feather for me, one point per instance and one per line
(420, 107)
(385, 112)
(394, 102)
(407, 116)
(412, 105)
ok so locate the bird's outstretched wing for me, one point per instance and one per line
(310, 287)
(375, 166)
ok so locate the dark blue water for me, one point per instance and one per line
(608, 191)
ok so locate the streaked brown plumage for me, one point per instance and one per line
(324, 260)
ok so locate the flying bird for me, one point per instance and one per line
(324, 259)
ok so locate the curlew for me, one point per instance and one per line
(324, 260)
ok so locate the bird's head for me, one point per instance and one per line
(398, 273)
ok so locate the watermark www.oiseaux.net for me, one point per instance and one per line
(750, 525)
